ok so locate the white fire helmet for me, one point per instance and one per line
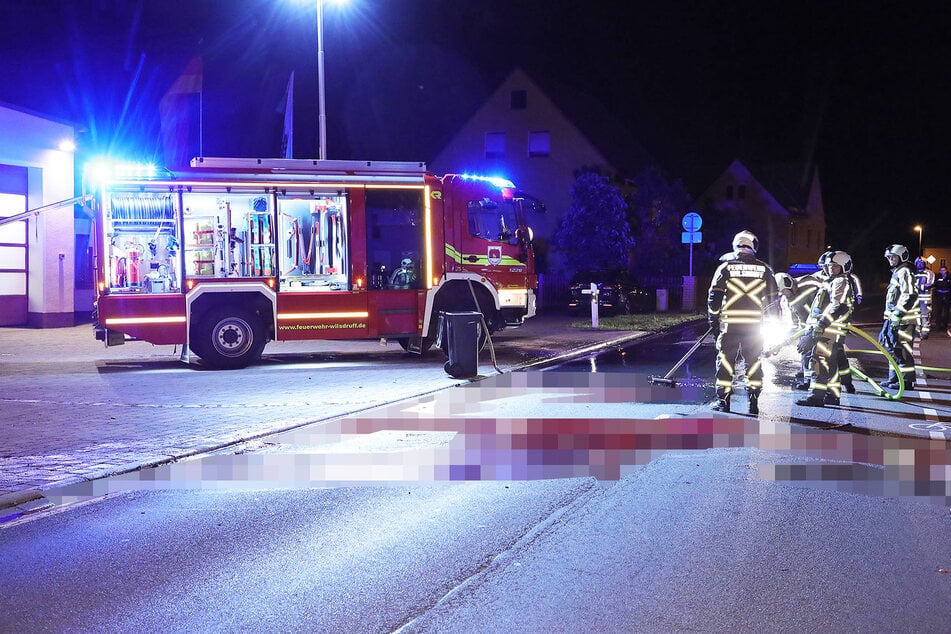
(841, 258)
(745, 240)
(406, 263)
(898, 250)
(785, 282)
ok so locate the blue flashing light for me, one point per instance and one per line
(497, 181)
(102, 169)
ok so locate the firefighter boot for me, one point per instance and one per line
(754, 403)
(722, 403)
(813, 400)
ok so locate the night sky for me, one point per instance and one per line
(862, 87)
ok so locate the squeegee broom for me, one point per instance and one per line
(666, 380)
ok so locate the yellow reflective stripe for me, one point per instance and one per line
(480, 259)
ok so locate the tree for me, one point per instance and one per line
(594, 233)
(655, 210)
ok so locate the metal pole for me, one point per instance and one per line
(691, 255)
(321, 117)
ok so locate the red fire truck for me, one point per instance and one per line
(228, 254)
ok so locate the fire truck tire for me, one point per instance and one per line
(228, 338)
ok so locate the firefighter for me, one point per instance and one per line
(924, 280)
(827, 326)
(786, 286)
(742, 288)
(405, 276)
(807, 286)
(901, 316)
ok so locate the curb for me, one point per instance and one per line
(19, 503)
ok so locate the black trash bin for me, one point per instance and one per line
(459, 333)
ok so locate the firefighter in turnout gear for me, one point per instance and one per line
(901, 316)
(807, 287)
(743, 288)
(924, 281)
(827, 327)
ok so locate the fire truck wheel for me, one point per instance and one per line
(229, 338)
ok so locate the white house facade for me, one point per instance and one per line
(36, 254)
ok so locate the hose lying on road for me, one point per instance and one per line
(879, 390)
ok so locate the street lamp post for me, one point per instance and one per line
(321, 106)
(919, 229)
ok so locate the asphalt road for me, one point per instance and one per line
(691, 541)
(529, 501)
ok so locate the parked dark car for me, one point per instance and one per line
(617, 293)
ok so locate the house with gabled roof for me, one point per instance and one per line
(781, 204)
(520, 132)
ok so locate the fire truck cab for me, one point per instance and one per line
(229, 254)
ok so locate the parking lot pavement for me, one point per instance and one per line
(76, 410)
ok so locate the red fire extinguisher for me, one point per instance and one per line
(134, 254)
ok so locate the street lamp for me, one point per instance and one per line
(321, 105)
(919, 229)
(321, 108)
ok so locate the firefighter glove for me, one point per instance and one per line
(807, 342)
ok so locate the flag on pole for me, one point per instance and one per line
(287, 142)
(180, 114)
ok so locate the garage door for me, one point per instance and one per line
(13, 286)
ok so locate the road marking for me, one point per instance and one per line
(936, 429)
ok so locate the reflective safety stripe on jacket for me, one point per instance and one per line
(806, 288)
(833, 306)
(924, 280)
(901, 296)
(741, 290)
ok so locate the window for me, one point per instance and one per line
(519, 100)
(741, 192)
(492, 221)
(494, 145)
(729, 192)
(395, 226)
(314, 242)
(539, 143)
